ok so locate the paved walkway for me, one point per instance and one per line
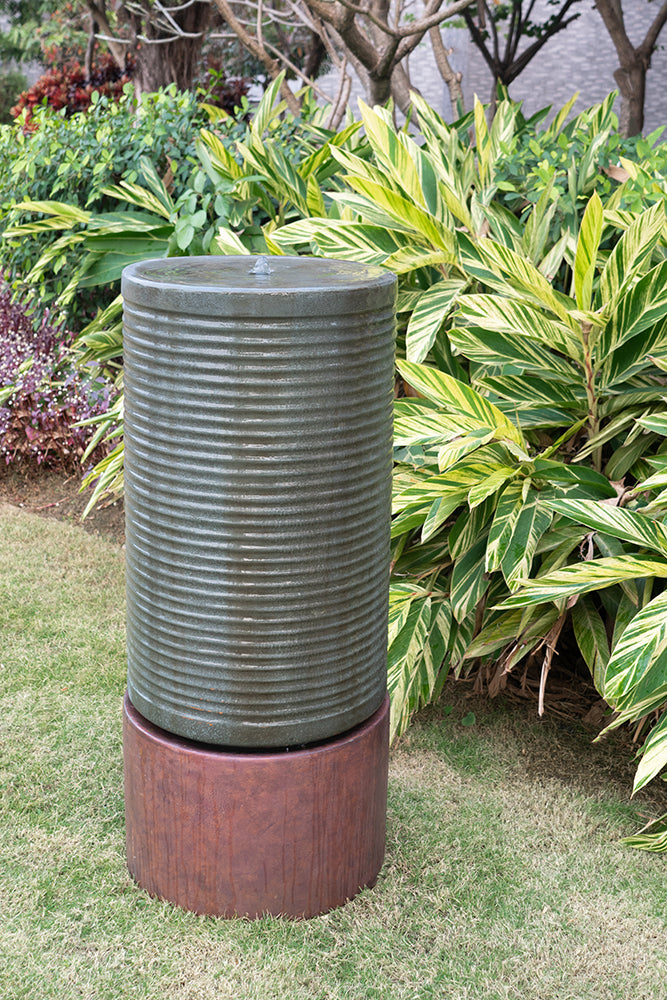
(580, 59)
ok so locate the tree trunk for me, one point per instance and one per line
(631, 82)
(315, 56)
(451, 78)
(158, 65)
(160, 61)
(90, 49)
(635, 62)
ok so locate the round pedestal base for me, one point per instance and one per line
(295, 833)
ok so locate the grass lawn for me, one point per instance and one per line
(504, 876)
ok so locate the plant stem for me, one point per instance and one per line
(593, 422)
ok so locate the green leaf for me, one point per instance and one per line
(410, 258)
(407, 520)
(516, 628)
(583, 578)
(460, 446)
(502, 526)
(454, 395)
(588, 244)
(404, 212)
(392, 152)
(632, 357)
(67, 214)
(227, 242)
(632, 250)
(489, 485)
(452, 486)
(492, 312)
(524, 278)
(438, 513)
(417, 421)
(459, 641)
(526, 530)
(102, 270)
(631, 526)
(468, 528)
(652, 837)
(580, 481)
(489, 347)
(655, 422)
(653, 755)
(468, 581)
(591, 637)
(142, 198)
(265, 110)
(431, 311)
(415, 657)
(644, 305)
(641, 647)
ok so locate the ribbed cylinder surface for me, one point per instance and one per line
(257, 470)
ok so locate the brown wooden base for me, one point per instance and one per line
(293, 833)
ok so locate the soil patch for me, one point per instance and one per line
(57, 494)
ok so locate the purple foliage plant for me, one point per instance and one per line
(43, 393)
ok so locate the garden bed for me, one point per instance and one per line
(57, 494)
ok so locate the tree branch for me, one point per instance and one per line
(271, 65)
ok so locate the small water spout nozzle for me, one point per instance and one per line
(262, 267)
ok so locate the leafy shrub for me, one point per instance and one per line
(43, 393)
(206, 217)
(535, 345)
(178, 212)
(74, 159)
(66, 87)
(576, 158)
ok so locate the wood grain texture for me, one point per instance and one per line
(245, 834)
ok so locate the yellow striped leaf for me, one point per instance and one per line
(517, 627)
(629, 525)
(526, 531)
(468, 581)
(493, 348)
(431, 311)
(632, 250)
(644, 305)
(524, 277)
(491, 312)
(652, 837)
(502, 526)
(410, 258)
(653, 754)
(591, 636)
(489, 485)
(460, 398)
(585, 577)
(585, 258)
(460, 446)
(641, 647)
(390, 151)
